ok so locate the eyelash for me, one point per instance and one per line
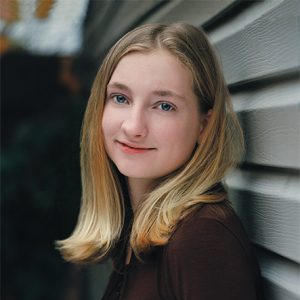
(172, 107)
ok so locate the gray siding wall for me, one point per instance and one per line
(259, 46)
(260, 56)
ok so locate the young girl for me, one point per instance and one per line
(158, 136)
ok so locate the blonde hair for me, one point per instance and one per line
(102, 212)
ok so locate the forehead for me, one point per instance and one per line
(157, 69)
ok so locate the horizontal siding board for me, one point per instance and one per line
(272, 136)
(281, 276)
(270, 45)
(194, 12)
(242, 19)
(119, 17)
(275, 291)
(281, 94)
(127, 14)
(269, 207)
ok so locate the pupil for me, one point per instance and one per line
(165, 106)
(120, 99)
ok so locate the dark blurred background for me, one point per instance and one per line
(42, 103)
(40, 175)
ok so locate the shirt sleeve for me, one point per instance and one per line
(205, 260)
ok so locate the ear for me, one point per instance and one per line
(205, 119)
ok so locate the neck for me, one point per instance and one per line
(137, 188)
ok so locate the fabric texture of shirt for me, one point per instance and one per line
(208, 257)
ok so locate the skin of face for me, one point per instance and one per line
(151, 120)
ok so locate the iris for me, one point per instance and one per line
(119, 99)
(166, 106)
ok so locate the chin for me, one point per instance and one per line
(136, 173)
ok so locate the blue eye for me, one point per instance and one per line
(120, 99)
(166, 106)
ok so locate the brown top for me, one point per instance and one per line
(208, 257)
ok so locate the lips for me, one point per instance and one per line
(130, 148)
(134, 146)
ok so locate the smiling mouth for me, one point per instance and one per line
(133, 149)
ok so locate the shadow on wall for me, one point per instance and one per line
(242, 199)
(42, 111)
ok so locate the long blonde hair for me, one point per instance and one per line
(102, 212)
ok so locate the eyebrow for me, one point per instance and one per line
(118, 85)
(161, 93)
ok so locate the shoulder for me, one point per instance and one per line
(214, 226)
(210, 249)
(211, 239)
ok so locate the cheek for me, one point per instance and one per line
(107, 132)
(105, 123)
(180, 132)
(181, 138)
(105, 127)
(109, 123)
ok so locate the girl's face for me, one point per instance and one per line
(151, 121)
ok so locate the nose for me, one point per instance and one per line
(134, 125)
